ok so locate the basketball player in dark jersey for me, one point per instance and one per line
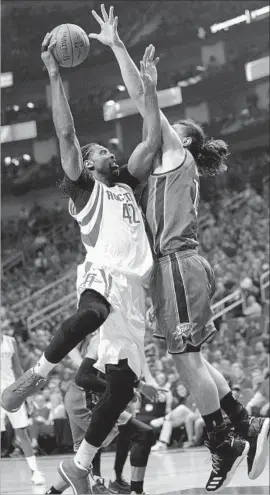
(183, 282)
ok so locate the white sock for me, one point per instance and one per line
(32, 462)
(84, 455)
(43, 367)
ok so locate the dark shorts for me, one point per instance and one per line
(181, 287)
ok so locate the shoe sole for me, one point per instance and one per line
(115, 491)
(261, 454)
(230, 474)
(66, 478)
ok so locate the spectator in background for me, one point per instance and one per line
(41, 425)
(239, 377)
(26, 356)
(261, 355)
(57, 407)
(252, 308)
(173, 419)
(41, 262)
(259, 403)
(194, 425)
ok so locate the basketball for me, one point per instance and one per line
(72, 45)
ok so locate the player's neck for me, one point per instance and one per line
(107, 181)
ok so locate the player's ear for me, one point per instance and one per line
(89, 164)
(187, 141)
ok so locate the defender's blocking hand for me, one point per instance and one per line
(108, 34)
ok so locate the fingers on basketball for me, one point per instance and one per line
(45, 42)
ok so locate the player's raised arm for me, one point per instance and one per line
(140, 163)
(130, 73)
(71, 157)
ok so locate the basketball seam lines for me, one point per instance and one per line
(71, 44)
(58, 58)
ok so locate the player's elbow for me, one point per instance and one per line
(153, 141)
(67, 134)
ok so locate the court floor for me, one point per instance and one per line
(173, 472)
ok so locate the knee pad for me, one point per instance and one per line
(122, 393)
(147, 435)
(83, 323)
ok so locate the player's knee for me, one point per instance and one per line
(85, 322)
(21, 432)
(122, 393)
(147, 436)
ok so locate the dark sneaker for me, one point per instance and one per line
(28, 384)
(226, 457)
(119, 486)
(53, 491)
(258, 434)
(76, 477)
(98, 485)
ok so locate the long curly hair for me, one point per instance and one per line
(209, 154)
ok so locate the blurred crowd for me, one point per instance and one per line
(154, 20)
(234, 233)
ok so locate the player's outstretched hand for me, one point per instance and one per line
(108, 34)
(47, 54)
(148, 68)
(150, 391)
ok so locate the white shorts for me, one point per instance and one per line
(122, 334)
(18, 419)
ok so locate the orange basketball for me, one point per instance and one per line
(72, 45)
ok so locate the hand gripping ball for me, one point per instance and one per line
(72, 45)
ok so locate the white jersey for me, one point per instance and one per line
(112, 231)
(7, 351)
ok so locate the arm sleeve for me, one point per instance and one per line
(87, 378)
(125, 177)
(79, 190)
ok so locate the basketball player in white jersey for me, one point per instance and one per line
(80, 400)
(11, 369)
(110, 282)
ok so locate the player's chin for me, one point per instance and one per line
(114, 170)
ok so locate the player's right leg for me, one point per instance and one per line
(92, 311)
(254, 430)
(19, 422)
(119, 392)
(79, 417)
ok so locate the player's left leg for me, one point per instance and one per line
(254, 430)
(25, 444)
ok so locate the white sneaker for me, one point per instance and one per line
(159, 446)
(38, 478)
